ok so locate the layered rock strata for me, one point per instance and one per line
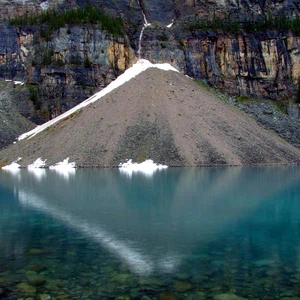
(61, 72)
(261, 65)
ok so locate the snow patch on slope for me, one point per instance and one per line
(148, 167)
(141, 66)
(44, 5)
(16, 82)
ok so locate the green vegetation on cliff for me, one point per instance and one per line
(250, 25)
(55, 20)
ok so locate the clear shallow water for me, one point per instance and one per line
(180, 234)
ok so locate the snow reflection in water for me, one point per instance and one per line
(108, 229)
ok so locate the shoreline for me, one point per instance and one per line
(173, 167)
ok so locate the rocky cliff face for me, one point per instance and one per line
(15, 8)
(155, 10)
(240, 8)
(257, 65)
(65, 68)
(12, 123)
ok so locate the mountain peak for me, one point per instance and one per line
(141, 66)
(152, 112)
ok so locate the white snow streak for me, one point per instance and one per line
(145, 19)
(16, 82)
(146, 24)
(138, 262)
(140, 41)
(141, 66)
(148, 167)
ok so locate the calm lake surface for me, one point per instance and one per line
(195, 233)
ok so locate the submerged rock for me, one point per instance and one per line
(26, 288)
(38, 268)
(264, 262)
(30, 273)
(44, 297)
(183, 286)
(62, 297)
(35, 251)
(122, 278)
(152, 282)
(36, 281)
(228, 296)
(167, 296)
(196, 296)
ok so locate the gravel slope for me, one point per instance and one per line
(270, 117)
(12, 123)
(159, 115)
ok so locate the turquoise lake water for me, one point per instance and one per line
(186, 233)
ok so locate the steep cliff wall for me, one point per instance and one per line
(156, 10)
(240, 8)
(263, 64)
(127, 9)
(12, 123)
(66, 67)
(64, 70)
(78, 61)
(15, 8)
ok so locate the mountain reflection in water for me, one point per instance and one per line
(150, 222)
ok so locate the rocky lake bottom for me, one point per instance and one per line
(186, 233)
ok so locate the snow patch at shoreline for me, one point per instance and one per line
(37, 168)
(63, 165)
(13, 167)
(141, 66)
(64, 168)
(148, 167)
(39, 163)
